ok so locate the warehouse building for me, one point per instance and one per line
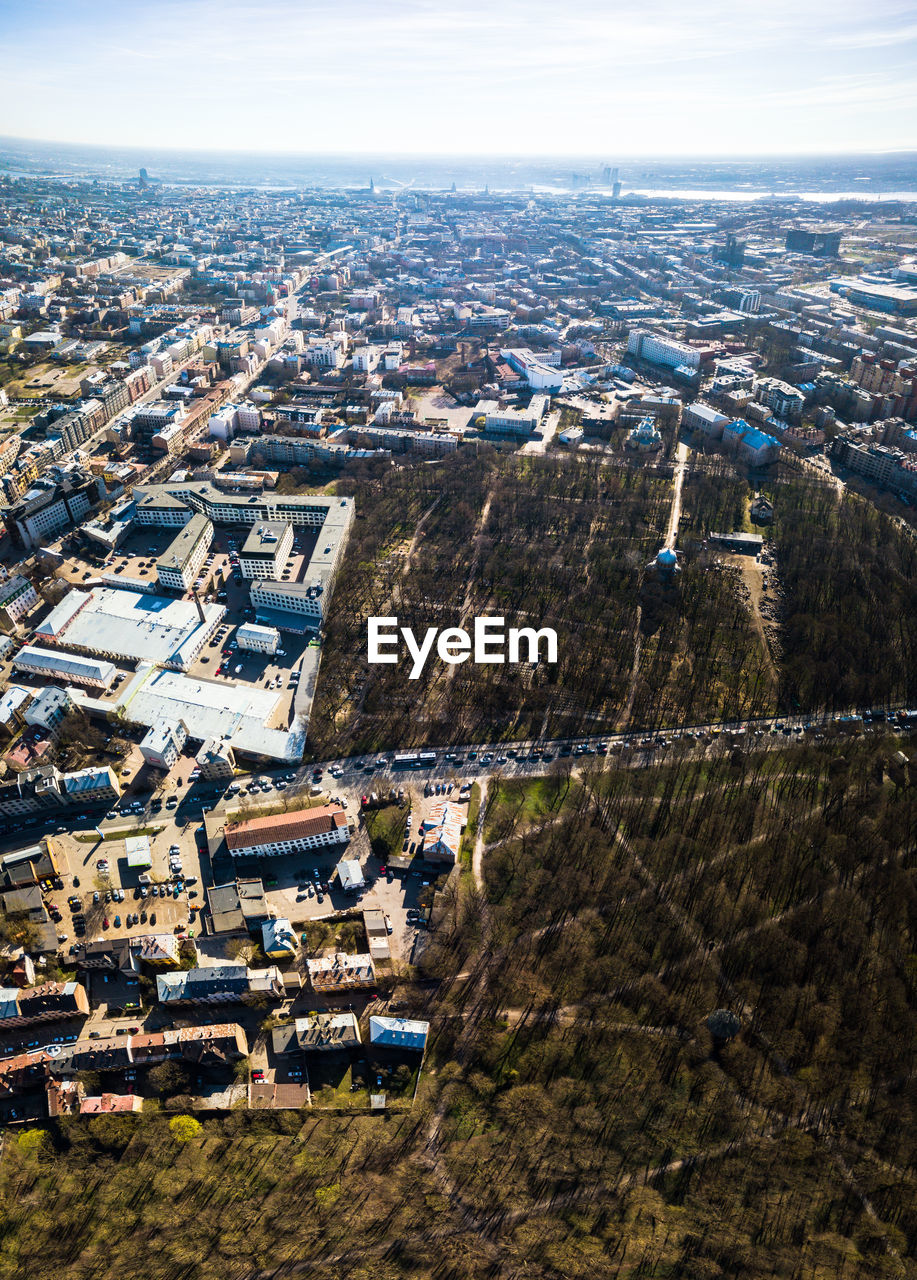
(91, 672)
(111, 623)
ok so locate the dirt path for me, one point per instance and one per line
(394, 598)
(753, 578)
(477, 857)
(624, 718)
(467, 602)
(681, 466)
(671, 537)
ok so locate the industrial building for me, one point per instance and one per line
(112, 623)
(91, 672)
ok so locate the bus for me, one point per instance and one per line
(414, 760)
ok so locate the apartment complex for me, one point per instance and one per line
(657, 349)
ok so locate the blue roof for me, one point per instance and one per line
(667, 556)
(757, 439)
(398, 1033)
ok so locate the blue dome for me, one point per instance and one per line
(667, 557)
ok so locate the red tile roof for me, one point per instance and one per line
(285, 826)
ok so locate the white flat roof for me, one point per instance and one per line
(147, 628)
(157, 695)
(32, 658)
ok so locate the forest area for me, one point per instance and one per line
(563, 543)
(670, 1037)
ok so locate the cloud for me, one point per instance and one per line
(421, 74)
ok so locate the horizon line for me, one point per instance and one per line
(685, 157)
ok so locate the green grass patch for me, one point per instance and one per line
(515, 804)
(471, 827)
(386, 827)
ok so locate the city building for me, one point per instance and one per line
(50, 1002)
(291, 832)
(17, 598)
(656, 349)
(108, 622)
(350, 875)
(238, 907)
(51, 506)
(490, 417)
(398, 1033)
(265, 551)
(219, 984)
(289, 606)
(703, 418)
(92, 673)
(326, 1032)
(442, 832)
(178, 566)
(645, 437)
(163, 744)
(749, 444)
(786, 401)
(216, 759)
(341, 972)
(278, 939)
(49, 709)
(257, 639)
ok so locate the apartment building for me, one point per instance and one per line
(50, 1002)
(341, 972)
(216, 759)
(656, 349)
(50, 506)
(17, 598)
(219, 984)
(786, 401)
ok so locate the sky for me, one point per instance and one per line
(464, 77)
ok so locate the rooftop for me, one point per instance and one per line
(147, 628)
(298, 825)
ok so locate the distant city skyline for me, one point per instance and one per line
(507, 77)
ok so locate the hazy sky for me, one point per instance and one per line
(508, 77)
